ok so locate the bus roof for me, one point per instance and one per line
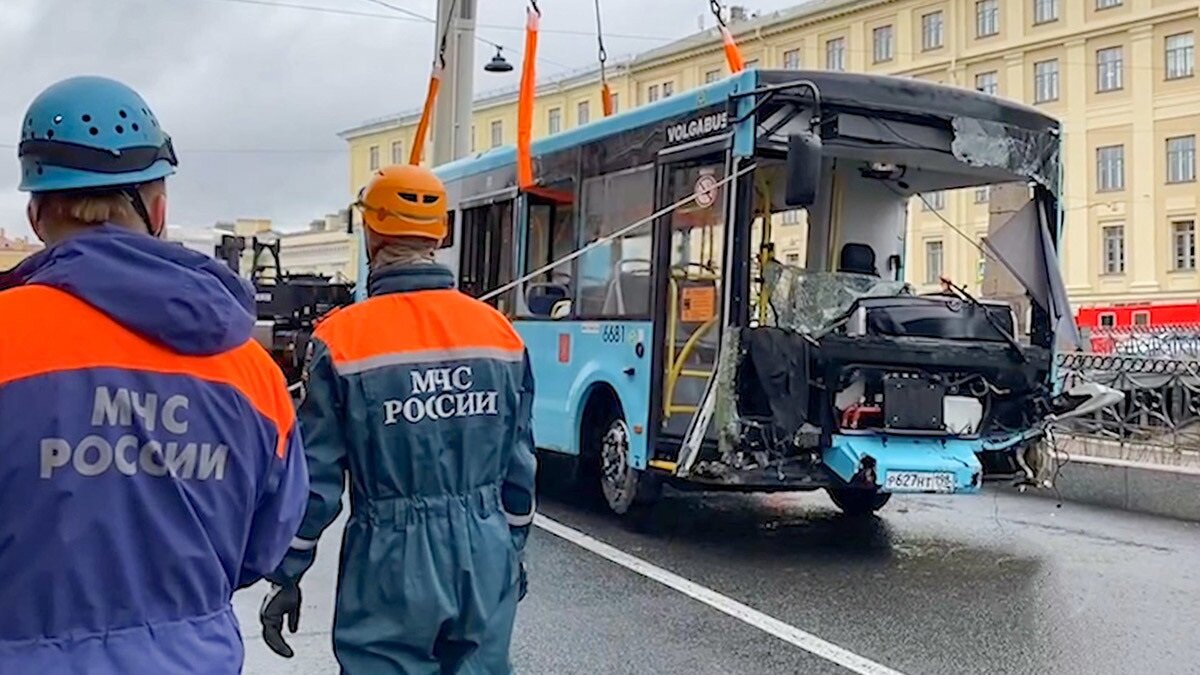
(838, 90)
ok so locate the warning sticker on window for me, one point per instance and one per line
(699, 304)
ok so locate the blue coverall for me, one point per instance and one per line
(422, 396)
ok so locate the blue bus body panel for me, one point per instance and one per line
(906, 453)
(569, 359)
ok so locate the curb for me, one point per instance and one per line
(1140, 487)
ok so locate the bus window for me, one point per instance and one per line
(487, 252)
(551, 236)
(614, 279)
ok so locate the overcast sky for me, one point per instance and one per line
(254, 92)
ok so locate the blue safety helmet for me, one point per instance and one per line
(91, 132)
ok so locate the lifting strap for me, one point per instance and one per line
(606, 101)
(525, 98)
(435, 83)
(733, 54)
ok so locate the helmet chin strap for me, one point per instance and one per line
(135, 198)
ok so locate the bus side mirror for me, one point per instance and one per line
(803, 170)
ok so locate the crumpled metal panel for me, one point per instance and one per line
(811, 302)
(985, 143)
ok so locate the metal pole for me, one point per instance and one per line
(452, 118)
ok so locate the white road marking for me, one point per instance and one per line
(768, 624)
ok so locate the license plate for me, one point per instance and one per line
(918, 481)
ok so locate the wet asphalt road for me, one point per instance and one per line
(998, 583)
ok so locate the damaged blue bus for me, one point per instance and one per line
(685, 352)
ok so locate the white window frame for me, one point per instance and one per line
(988, 82)
(712, 76)
(933, 201)
(934, 273)
(554, 120)
(1181, 159)
(883, 43)
(1045, 81)
(497, 130)
(835, 54)
(1179, 60)
(1140, 317)
(1110, 168)
(933, 31)
(583, 112)
(373, 158)
(397, 152)
(791, 59)
(1110, 69)
(1106, 319)
(1183, 245)
(1108, 4)
(1045, 11)
(668, 89)
(652, 93)
(987, 18)
(1112, 257)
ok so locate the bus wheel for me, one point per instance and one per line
(627, 490)
(857, 501)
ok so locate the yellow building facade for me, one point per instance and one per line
(15, 249)
(1120, 74)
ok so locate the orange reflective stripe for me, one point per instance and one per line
(436, 322)
(57, 332)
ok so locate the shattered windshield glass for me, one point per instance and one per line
(811, 302)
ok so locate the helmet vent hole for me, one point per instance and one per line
(93, 131)
(429, 199)
(408, 196)
(120, 129)
(122, 113)
(49, 134)
(86, 118)
(135, 126)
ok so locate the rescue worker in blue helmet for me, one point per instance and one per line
(422, 396)
(149, 460)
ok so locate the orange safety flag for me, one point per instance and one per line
(525, 102)
(606, 99)
(418, 148)
(732, 53)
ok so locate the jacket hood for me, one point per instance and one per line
(181, 299)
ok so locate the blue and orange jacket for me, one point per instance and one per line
(422, 395)
(149, 459)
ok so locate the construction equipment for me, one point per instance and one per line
(288, 305)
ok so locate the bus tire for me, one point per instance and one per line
(627, 491)
(857, 501)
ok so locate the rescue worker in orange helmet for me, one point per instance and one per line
(423, 396)
(149, 460)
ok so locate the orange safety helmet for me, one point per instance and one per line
(405, 201)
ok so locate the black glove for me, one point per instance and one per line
(281, 602)
(523, 584)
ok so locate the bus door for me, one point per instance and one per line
(486, 244)
(693, 236)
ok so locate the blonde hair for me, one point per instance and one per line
(93, 208)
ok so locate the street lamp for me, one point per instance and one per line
(498, 64)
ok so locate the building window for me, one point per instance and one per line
(933, 201)
(791, 59)
(554, 123)
(1181, 55)
(616, 103)
(583, 112)
(1107, 4)
(712, 76)
(835, 54)
(652, 93)
(397, 152)
(1045, 11)
(1108, 320)
(497, 133)
(792, 217)
(987, 18)
(1045, 81)
(1181, 159)
(751, 64)
(987, 82)
(883, 39)
(1114, 249)
(1183, 235)
(931, 31)
(983, 194)
(373, 157)
(668, 89)
(1141, 318)
(1109, 67)
(933, 262)
(1110, 168)
(472, 138)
